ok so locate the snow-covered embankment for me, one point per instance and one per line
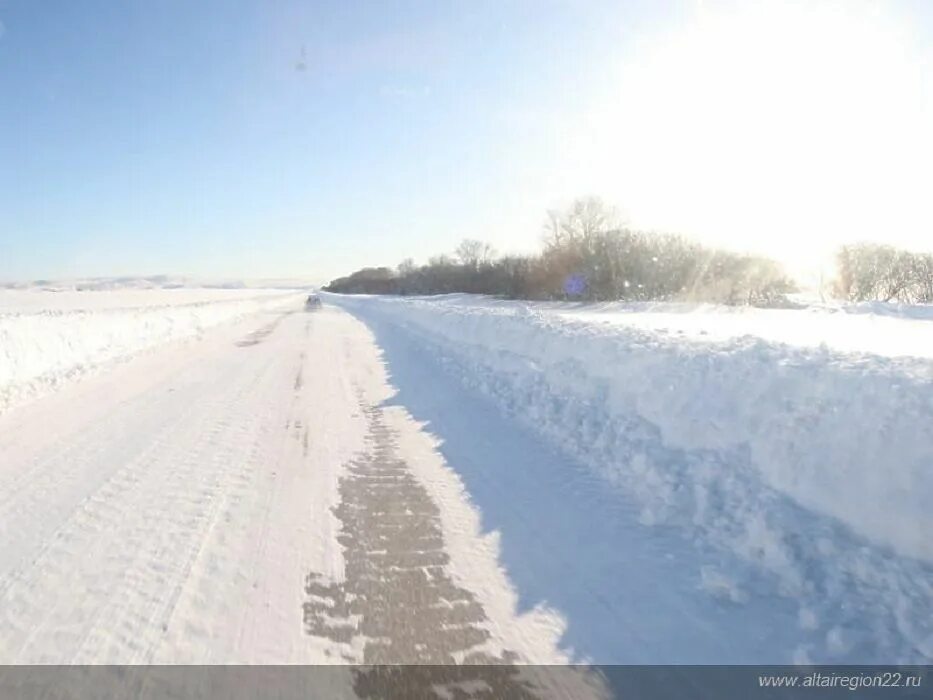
(47, 338)
(809, 468)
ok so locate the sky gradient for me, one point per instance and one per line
(257, 139)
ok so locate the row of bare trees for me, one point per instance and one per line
(587, 255)
(588, 244)
(870, 272)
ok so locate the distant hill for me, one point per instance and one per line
(156, 282)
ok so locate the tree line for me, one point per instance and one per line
(871, 272)
(587, 255)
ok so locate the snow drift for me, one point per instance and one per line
(811, 465)
(47, 338)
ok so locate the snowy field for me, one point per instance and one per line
(790, 449)
(870, 328)
(58, 301)
(49, 335)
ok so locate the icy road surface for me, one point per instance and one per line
(361, 484)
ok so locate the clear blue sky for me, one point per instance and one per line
(143, 137)
(176, 136)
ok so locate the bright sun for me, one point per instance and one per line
(784, 128)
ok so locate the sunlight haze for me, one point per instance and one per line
(784, 128)
(295, 139)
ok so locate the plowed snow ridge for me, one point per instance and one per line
(812, 466)
(48, 338)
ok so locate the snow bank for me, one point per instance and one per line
(47, 338)
(890, 330)
(808, 463)
(55, 299)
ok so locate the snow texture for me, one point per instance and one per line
(48, 337)
(792, 446)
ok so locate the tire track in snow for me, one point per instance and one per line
(113, 526)
(161, 504)
(398, 604)
(261, 334)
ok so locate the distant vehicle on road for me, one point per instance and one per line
(312, 303)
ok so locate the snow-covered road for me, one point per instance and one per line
(361, 484)
(246, 498)
(163, 512)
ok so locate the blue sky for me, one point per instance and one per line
(145, 137)
(148, 137)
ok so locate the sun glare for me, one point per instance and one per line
(777, 128)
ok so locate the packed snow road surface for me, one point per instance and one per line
(244, 498)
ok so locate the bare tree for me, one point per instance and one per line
(870, 272)
(406, 267)
(441, 261)
(580, 223)
(474, 253)
(922, 273)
